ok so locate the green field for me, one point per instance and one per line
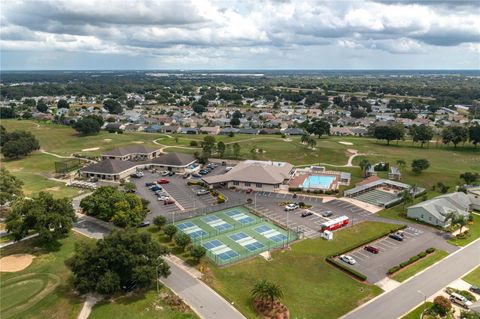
(312, 287)
(473, 277)
(144, 305)
(415, 313)
(43, 289)
(420, 265)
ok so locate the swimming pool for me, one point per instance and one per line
(318, 182)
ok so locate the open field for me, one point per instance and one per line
(420, 265)
(43, 289)
(473, 277)
(138, 305)
(313, 288)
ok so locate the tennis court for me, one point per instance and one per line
(234, 234)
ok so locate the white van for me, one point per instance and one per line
(460, 300)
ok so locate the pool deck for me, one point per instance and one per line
(297, 181)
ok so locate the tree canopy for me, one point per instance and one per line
(125, 260)
(110, 204)
(419, 165)
(113, 106)
(10, 187)
(89, 125)
(18, 143)
(51, 218)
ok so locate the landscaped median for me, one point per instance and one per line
(331, 259)
(416, 264)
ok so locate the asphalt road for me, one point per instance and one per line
(201, 298)
(407, 296)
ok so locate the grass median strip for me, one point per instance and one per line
(473, 277)
(410, 270)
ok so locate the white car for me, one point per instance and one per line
(347, 259)
(165, 173)
(291, 207)
(163, 198)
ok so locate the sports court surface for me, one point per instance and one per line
(234, 234)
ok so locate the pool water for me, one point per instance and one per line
(318, 182)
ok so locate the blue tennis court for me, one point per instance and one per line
(239, 217)
(221, 250)
(217, 223)
(270, 233)
(246, 241)
(191, 230)
(185, 225)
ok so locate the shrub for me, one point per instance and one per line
(430, 250)
(441, 305)
(393, 270)
(347, 269)
(413, 259)
(422, 254)
(193, 143)
(467, 294)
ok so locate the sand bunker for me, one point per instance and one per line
(14, 263)
(346, 143)
(138, 142)
(107, 139)
(90, 149)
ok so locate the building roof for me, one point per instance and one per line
(264, 172)
(443, 205)
(109, 166)
(130, 149)
(174, 159)
(379, 182)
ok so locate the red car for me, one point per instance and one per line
(248, 191)
(168, 202)
(373, 250)
(163, 181)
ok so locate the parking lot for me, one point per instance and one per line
(268, 204)
(185, 196)
(393, 252)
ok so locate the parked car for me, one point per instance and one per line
(165, 173)
(144, 224)
(163, 181)
(168, 202)
(347, 259)
(171, 173)
(185, 176)
(136, 175)
(203, 192)
(156, 188)
(397, 236)
(475, 289)
(373, 250)
(327, 213)
(163, 198)
(306, 214)
(291, 207)
(196, 175)
(248, 191)
(160, 192)
(460, 300)
(149, 184)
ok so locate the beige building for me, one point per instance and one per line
(257, 175)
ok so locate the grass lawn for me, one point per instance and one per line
(474, 230)
(312, 287)
(473, 277)
(415, 313)
(139, 305)
(420, 265)
(47, 279)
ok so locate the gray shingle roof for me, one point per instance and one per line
(130, 149)
(174, 159)
(109, 166)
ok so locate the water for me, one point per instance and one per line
(318, 181)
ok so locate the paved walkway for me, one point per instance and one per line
(201, 298)
(397, 302)
(87, 306)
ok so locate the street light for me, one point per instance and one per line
(424, 302)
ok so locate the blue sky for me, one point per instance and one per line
(206, 34)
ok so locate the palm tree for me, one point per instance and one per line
(407, 196)
(364, 165)
(267, 292)
(311, 142)
(304, 139)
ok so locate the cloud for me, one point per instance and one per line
(176, 30)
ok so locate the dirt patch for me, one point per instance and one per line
(14, 263)
(55, 189)
(90, 149)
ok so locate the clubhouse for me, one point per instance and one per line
(120, 163)
(257, 175)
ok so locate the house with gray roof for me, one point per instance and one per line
(437, 210)
(134, 152)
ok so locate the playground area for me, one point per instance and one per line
(234, 234)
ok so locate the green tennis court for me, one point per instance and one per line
(234, 234)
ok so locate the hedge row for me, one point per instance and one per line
(353, 272)
(347, 269)
(411, 260)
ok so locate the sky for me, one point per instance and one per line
(256, 34)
